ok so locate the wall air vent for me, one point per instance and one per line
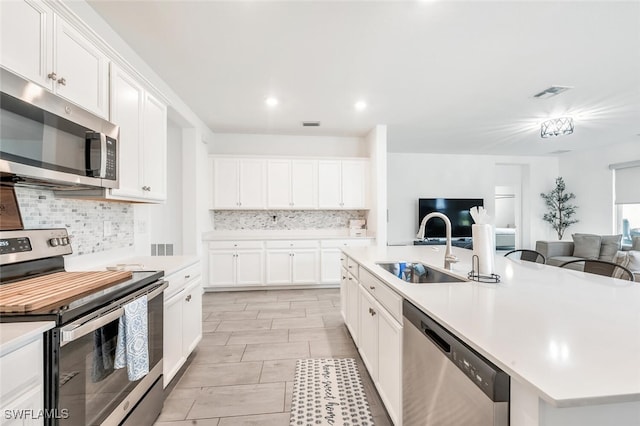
(310, 124)
(551, 91)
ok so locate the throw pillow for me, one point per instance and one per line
(586, 246)
(609, 245)
(634, 260)
(621, 258)
(636, 243)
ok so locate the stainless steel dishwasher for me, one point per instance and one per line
(445, 382)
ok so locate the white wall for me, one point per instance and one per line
(413, 176)
(165, 220)
(196, 190)
(285, 145)
(377, 220)
(587, 175)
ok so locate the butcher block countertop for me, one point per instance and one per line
(55, 289)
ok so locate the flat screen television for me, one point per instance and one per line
(456, 209)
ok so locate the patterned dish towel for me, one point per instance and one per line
(132, 349)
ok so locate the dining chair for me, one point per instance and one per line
(602, 267)
(526, 255)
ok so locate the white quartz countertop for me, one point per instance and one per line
(168, 264)
(573, 337)
(244, 235)
(14, 335)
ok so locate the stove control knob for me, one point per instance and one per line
(54, 242)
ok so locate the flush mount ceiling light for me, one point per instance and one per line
(556, 127)
(271, 101)
(360, 106)
(551, 91)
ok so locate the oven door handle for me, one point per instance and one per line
(158, 290)
(71, 333)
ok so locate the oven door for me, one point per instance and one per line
(89, 390)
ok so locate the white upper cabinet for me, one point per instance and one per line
(30, 23)
(143, 140)
(342, 184)
(239, 183)
(82, 71)
(154, 149)
(354, 184)
(252, 183)
(43, 48)
(291, 184)
(127, 99)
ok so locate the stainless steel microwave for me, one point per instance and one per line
(47, 141)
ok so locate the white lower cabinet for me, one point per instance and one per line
(352, 319)
(22, 385)
(292, 262)
(368, 338)
(331, 256)
(182, 318)
(236, 263)
(373, 315)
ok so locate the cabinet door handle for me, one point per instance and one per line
(372, 312)
(372, 287)
(188, 298)
(186, 277)
(62, 81)
(53, 76)
(350, 279)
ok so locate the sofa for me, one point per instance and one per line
(590, 246)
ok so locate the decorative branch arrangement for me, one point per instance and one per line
(560, 211)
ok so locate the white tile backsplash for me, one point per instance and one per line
(230, 220)
(84, 219)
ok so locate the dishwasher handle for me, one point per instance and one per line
(435, 338)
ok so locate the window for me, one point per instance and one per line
(628, 216)
(627, 199)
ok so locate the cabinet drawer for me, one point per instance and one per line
(352, 267)
(383, 294)
(21, 369)
(236, 244)
(279, 244)
(348, 242)
(179, 279)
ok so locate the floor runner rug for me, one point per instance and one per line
(329, 391)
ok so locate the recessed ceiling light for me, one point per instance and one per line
(271, 101)
(360, 106)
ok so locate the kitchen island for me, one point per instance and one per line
(569, 340)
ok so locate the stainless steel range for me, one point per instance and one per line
(80, 378)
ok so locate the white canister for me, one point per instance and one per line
(483, 240)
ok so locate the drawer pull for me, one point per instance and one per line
(350, 266)
(350, 279)
(372, 312)
(372, 287)
(186, 277)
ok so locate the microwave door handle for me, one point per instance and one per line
(103, 155)
(71, 333)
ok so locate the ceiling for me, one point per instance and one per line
(444, 76)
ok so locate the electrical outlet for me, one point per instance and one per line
(107, 231)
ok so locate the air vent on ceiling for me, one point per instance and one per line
(310, 124)
(551, 91)
(560, 151)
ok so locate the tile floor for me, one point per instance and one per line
(242, 372)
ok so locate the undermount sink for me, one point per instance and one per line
(418, 273)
